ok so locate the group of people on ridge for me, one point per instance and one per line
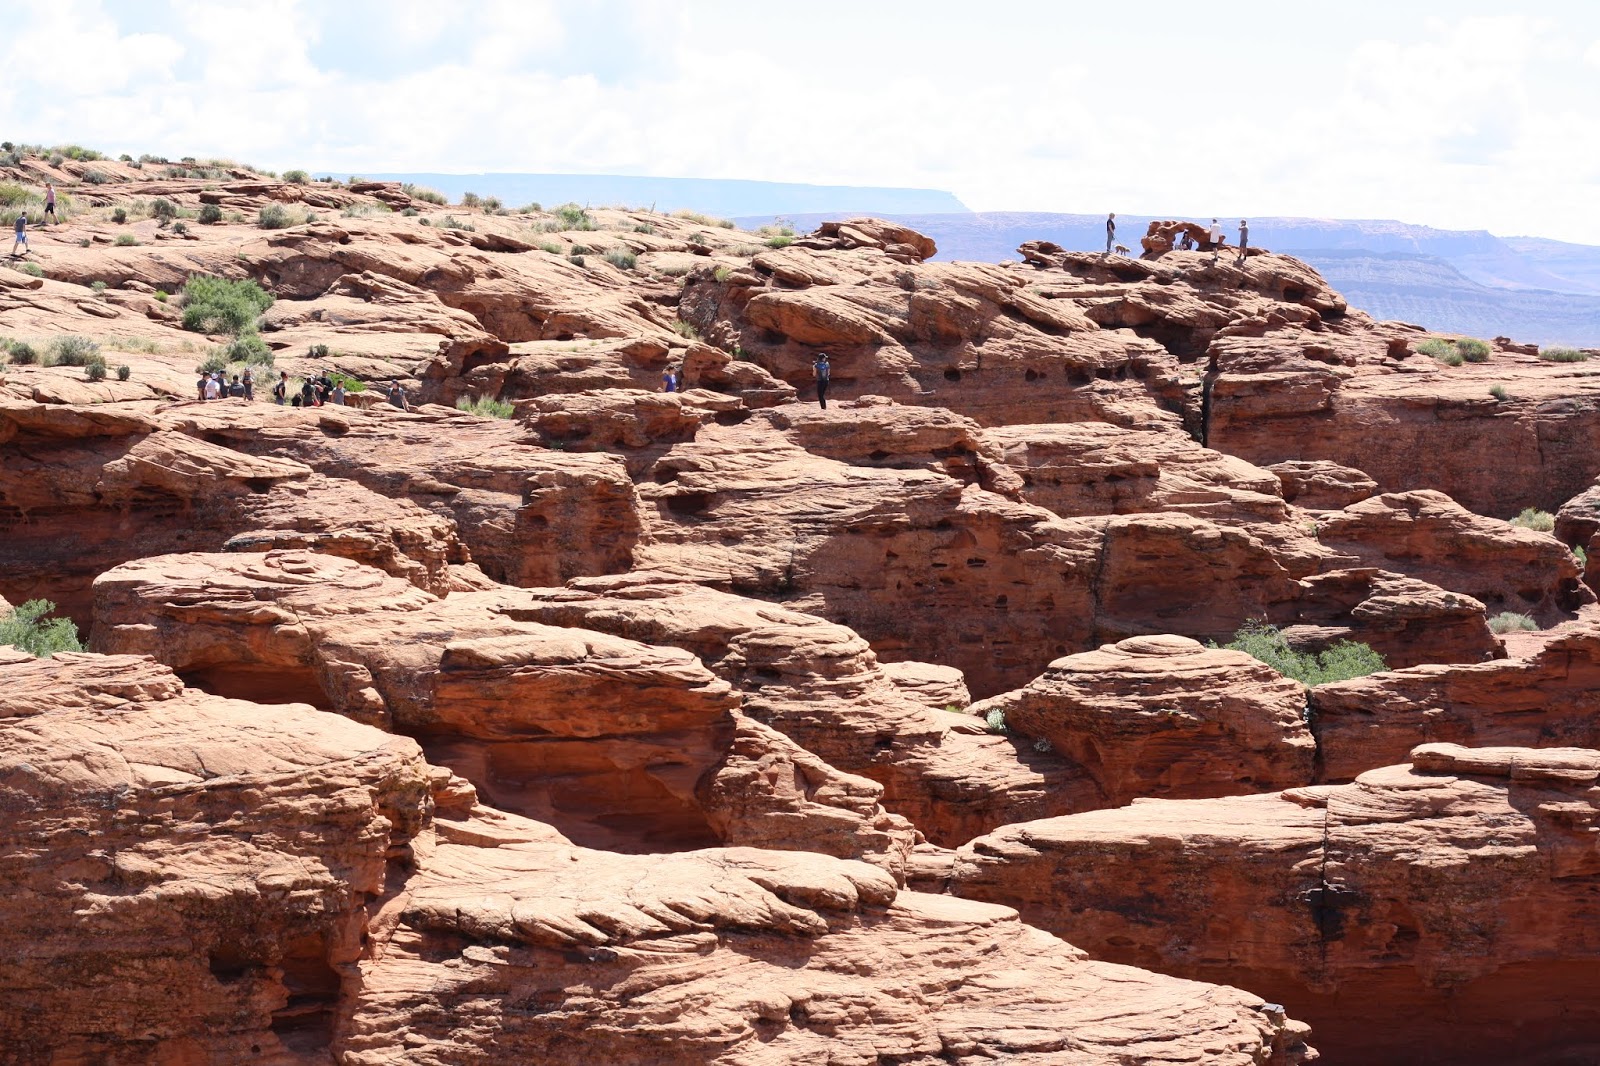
(316, 391)
(1215, 240)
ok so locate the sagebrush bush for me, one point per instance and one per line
(1473, 350)
(33, 270)
(779, 242)
(72, 351)
(126, 240)
(575, 260)
(27, 628)
(470, 199)
(210, 214)
(1340, 662)
(21, 353)
(217, 305)
(1499, 392)
(1512, 622)
(119, 216)
(296, 177)
(1563, 355)
(571, 216)
(248, 348)
(274, 216)
(213, 363)
(124, 372)
(486, 406)
(95, 369)
(1535, 519)
(163, 209)
(94, 177)
(622, 259)
(425, 194)
(552, 247)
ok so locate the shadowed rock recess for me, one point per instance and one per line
(556, 718)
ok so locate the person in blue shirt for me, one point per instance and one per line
(822, 371)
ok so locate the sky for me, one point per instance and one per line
(1467, 115)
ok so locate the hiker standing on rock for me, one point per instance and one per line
(822, 372)
(22, 235)
(280, 391)
(1244, 240)
(669, 380)
(1111, 230)
(397, 397)
(1216, 238)
(249, 385)
(49, 203)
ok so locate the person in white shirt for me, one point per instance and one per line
(1216, 238)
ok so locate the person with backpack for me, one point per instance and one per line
(280, 391)
(22, 235)
(823, 372)
(308, 395)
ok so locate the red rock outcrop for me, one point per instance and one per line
(1166, 716)
(1458, 893)
(1551, 699)
(230, 882)
(616, 742)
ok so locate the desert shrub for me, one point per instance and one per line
(78, 153)
(217, 305)
(1442, 350)
(161, 296)
(1512, 622)
(492, 204)
(425, 194)
(531, 209)
(94, 177)
(57, 159)
(424, 222)
(779, 242)
(580, 249)
(644, 227)
(72, 351)
(1563, 355)
(722, 273)
(27, 628)
(212, 364)
(1473, 350)
(296, 177)
(12, 194)
(124, 372)
(21, 353)
(95, 369)
(703, 220)
(1582, 557)
(180, 227)
(471, 199)
(486, 406)
(274, 216)
(163, 209)
(1340, 662)
(995, 721)
(249, 348)
(350, 384)
(409, 212)
(575, 259)
(622, 259)
(1499, 392)
(126, 240)
(685, 329)
(571, 216)
(1535, 519)
(552, 247)
(119, 215)
(97, 285)
(318, 351)
(33, 270)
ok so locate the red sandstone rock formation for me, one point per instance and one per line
(1458, 893)
(1551, 699)
(1165, 716)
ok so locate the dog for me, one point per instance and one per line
(1122, 249)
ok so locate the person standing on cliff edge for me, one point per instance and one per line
(1111, 230)
(49, 203)
(1244, 240)
(822, 371)
(1215, 238)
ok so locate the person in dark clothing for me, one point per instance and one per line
(822, 372)
(280, 391)
(1244, 240)
(249, 384)
(236, 388)
(308, 395)
(397, 397)
(669, 380)
(1111, 230)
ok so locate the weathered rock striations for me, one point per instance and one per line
(1168, 717)
(1457, 892)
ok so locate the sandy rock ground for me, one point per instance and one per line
(557, 717)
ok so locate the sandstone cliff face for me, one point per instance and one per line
(196, 879)
(1457, 892)
(691, 668)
